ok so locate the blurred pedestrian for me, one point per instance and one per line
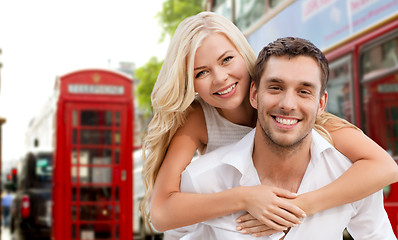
(6, 205)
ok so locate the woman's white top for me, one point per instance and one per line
(220, 131)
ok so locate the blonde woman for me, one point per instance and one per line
(219, 72)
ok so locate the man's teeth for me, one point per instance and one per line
(285, 121)
(228, 90)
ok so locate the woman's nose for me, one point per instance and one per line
(220, 75)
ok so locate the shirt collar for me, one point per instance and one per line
(318, 146)
(240, 157)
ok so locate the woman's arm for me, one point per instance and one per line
(171, 209)
(373, 168)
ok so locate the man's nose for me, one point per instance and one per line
(288, 101)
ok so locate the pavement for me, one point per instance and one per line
(5, 233)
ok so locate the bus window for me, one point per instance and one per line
(380, 58)
(224, 8)
(274, 3)
(340, 102)
(247, 12)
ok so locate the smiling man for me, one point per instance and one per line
(288, 91)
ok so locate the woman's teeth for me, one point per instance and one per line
(228, 90)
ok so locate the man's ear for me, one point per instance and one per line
(322, 103)
(253, 95)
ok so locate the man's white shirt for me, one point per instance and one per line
(232, 166)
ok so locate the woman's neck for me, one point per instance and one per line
(244, 115)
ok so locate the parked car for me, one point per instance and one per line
(31, 207)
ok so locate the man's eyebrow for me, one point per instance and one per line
(307, 84)
(273, 80)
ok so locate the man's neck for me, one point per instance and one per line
(279, 166)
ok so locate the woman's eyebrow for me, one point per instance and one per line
(222, 55)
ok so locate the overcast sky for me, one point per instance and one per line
(43, 39)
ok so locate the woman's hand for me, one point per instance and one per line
(250, 225)
(270, 206)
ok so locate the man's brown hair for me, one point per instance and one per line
(291, 47)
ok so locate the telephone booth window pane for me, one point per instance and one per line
(73, 174)
(74, 157)
(116, 193)
(74, 192)
(95, 231)
(117, 156)
(74, 212)
(117, 137)
(95, 175)
(108, 118)
(74, 231)
(96, 213)
(95, 194)
(96, 118)
(74, 136)
(74, 118)
(116, 231)
(96, 137)
(117, 212)
(96, 156)
(117, 118)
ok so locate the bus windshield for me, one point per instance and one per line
(43, 170)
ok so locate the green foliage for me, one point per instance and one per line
(147, 75)
(174, 11)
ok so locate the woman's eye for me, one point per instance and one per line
(227, 59)
(199, 74)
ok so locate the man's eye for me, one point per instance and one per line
(275, 88)
(306, 92)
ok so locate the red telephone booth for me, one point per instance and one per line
(92, 183)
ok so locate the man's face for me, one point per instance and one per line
(288, 99)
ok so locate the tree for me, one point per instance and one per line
(147, 75)
(174, 11)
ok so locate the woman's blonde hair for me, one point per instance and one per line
(174, 91)
(333, 123)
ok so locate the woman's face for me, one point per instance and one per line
(220, 73)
